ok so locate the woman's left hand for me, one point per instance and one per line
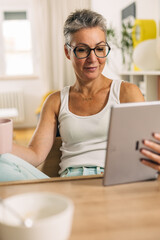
(151, 156)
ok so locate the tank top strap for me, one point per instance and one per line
(114, 95)
(64, 97)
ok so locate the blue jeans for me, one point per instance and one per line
(81, 171)
(13, 168)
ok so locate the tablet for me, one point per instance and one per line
(130, 123)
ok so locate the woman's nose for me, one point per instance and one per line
(92, 56)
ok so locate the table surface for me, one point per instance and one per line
(123, 212)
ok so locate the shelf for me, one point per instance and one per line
(147, 81)
(147, 73)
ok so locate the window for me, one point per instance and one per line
(16, 33)
(16, 50)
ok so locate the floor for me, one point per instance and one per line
(23, 136)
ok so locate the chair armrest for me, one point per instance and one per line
(51, 165)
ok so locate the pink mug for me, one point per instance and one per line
(6, 135)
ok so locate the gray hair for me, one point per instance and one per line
(83, 19)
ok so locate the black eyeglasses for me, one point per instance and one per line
(83, 51)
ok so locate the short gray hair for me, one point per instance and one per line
(83, 19)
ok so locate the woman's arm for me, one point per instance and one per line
(130, 93)
(44, 135)
(152, 153)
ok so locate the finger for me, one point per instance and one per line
(150, 155)
(154, 146)
(156, 136)
(151, 164)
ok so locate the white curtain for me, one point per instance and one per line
(40, 14)
(49, 17)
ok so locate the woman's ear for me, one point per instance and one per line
(67, 51)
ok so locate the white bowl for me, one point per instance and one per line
(52, 216)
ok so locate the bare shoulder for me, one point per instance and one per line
(52, 103)
(130, 93)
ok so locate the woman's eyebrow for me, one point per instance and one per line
(100, 42)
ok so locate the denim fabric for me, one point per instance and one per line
(13, 168)
(82, 171)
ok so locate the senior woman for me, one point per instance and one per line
(81, 111)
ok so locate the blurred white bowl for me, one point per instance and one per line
(52, 216)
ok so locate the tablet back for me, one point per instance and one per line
(130, 123)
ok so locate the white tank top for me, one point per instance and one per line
(84, 138)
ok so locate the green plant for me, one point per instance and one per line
(126, 41)
(112, 37)
(123, 42)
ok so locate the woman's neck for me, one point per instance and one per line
(88, 89)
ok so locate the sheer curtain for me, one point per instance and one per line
(41, 25)
(49, 17)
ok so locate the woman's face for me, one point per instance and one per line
(89, 68)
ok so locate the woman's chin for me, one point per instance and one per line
(91, 76)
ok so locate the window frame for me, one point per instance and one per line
(20, 5)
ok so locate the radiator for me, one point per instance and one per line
(13, 100)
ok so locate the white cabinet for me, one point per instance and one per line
(147, 81)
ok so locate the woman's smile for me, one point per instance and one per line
(90, 69)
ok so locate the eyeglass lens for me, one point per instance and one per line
(84, 51)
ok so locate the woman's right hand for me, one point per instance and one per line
(151, 152)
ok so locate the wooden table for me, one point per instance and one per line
(122, 212)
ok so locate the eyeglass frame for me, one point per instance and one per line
(90, 49)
